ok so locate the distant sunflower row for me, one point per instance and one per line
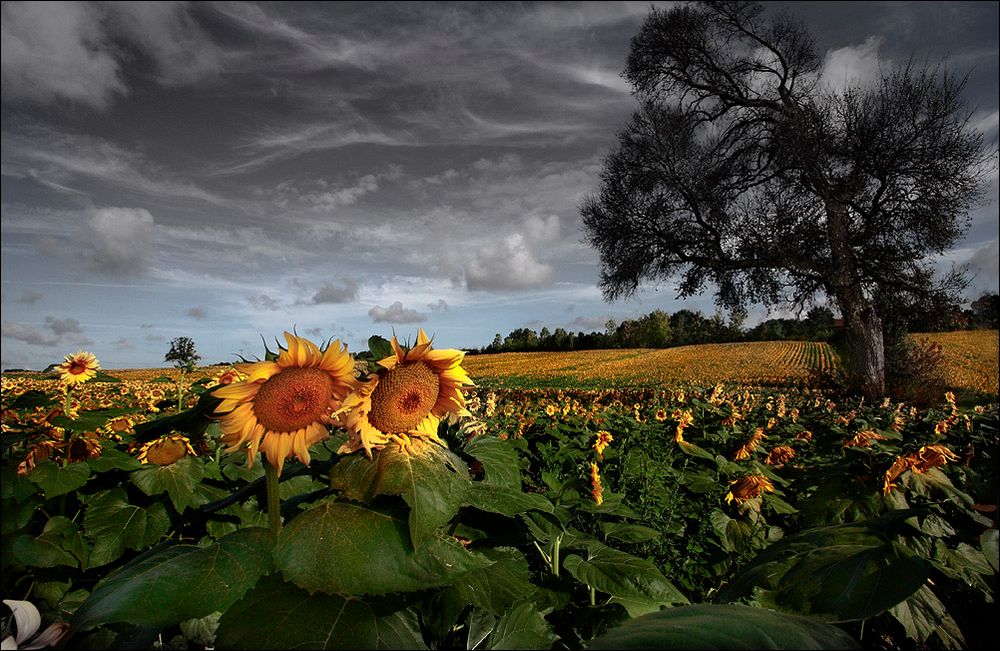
(285, 406)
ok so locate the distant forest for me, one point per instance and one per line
(658, 329)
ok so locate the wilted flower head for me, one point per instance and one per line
(747, 488)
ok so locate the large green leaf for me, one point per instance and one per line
(278, 615)
(55, 480)
(521, 627)
(842, 572)
(710, 626)
(504, 500)
(31, 399)
(923, 614)
(736, 535)
(499, 585)
(178, 480)
(179, 582)
(634, 582)
(500, 463)
(113, 459)
(340, 547)
(630, 533)
(60, 543)
(114, 525)
(433, 484)
(988, 543)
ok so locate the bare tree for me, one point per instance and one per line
(742, 169)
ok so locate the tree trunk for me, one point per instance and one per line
(866, 349)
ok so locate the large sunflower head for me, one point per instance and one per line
(284, 405)
(78, 368)
(408, 396)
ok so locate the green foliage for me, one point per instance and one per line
(698, 627)
(495, 540)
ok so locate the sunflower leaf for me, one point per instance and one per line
(521, 627)
(60, 543)
(341, 547)
(634, 582)
(55, 480)
(179, 582)
(298, 620)
(841, 572)
(434, 484)
(179, 480)
(714, 626)
(114, 525)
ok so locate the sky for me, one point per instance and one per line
(228, 171)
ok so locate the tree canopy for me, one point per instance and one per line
(743, 169)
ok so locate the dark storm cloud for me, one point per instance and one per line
(197, 313)
(227, 149)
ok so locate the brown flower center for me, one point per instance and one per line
(292, 399)
(403, 397)
(77, 368)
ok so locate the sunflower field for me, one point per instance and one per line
(408, 497)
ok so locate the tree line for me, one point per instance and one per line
(658, 329)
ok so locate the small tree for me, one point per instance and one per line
(185, 357)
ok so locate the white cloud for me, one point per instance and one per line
(395, 313)
(542, 229)
(509, 266)
(29, 297)
(343, 196)
(57, 50)
(120, 238)
(71, 50)
(440, 306)
(63, 326)
(346, 292)
(181, 50)
(28, 335)
(852, 65)
(263, 302)
(985, 263)
(588, 323)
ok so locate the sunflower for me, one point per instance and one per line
(226, 376)
(604, 439)
(747, 488)
(78, 368)
(596, 490)
(407, 397)
(780, 455)
(283, 406)
(166, 450)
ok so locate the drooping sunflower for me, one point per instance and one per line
(747, 488)
(78, 368)
(166, 450)
(283, 407)
(408, 397)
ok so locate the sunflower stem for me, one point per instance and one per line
(273, 498)
(67, 433)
